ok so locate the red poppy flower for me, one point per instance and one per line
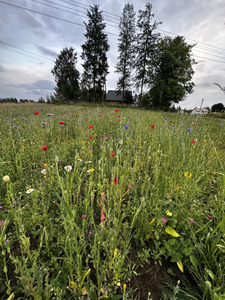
(90, 136)
(105, 115)
(116, 110)
(113, 154)
(118, 116)
(36, 113)
(90, 126)
(45, 148)
(68, 113)
(118, 120)
(195, 125)
(152, 126)
(61, 123)
(193, 141)
(115, 180)
(76, 115)
(100, 115)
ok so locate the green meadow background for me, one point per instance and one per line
(110, 192)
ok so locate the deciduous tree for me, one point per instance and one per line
(170, 79)
(66, 75)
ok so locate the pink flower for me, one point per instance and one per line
(90, 148)
(83, 217)
(164, 220)
(190, 220)
(209, 217)
(2, 224)
(90, 233)
(0, 207)
(102, 216)
(7, 241)
(130, 187)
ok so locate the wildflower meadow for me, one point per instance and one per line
(96, 201)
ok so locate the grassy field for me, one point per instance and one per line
(100, 202)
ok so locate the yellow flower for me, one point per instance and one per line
(91, 170)
(178, 282)
(45, 165)
(124, 286)
(169, 213)
(205, 141)
(141, 147)
(186, 174)
(214, 173)
(6, 179)
(159, 151)
(190, 175)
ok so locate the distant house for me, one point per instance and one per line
(199, 111)
(113, 96)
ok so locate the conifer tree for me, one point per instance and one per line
(94, 51)
(126, 48)
(146, 44)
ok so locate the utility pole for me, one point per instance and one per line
(201, 105)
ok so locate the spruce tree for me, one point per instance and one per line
(146, 44)
(126, 48)
(66, 75)
(94, 51)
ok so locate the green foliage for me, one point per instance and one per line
(145, 47)
(126, 48)
(218, 107)
(66, 75)
(80, 232)
(94, 51)
(170, 79)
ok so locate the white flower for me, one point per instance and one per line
(44, 171)
(68, 168)
(80, 159)
(29, 191)
(6, 179)
(88, 162)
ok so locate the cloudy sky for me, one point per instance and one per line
(30, 40)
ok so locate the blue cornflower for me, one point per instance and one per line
(181, 124)
(135, 147)
(189, 130)
(221, 124)
(126, 127)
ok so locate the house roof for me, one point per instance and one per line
(113, 95)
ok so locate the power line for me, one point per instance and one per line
(77, 23)
(46, 15)
(192, 40)
(35, 1)
(85, 6)
(223, 62)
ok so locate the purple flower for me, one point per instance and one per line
(190, 220)
(59, 160)
(2, 224)
(164, 220)
(83, 217)
(189, 130)
(131, 187)
(7, 241)
(0, 207)
(181, 125)
(90, 148)
(135, 147)
(104, 136)
(221, 124)
(126, 127)
(90, 233)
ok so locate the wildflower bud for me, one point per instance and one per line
(208, 284)
(6, 179)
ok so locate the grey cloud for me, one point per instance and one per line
(47, 51)
(30, 20)
(2, 69)
(45, 85)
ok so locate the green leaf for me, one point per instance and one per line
(210, 273)
(171, 231)
(194, 261)
(5, 269)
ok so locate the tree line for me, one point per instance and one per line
(159, 69)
